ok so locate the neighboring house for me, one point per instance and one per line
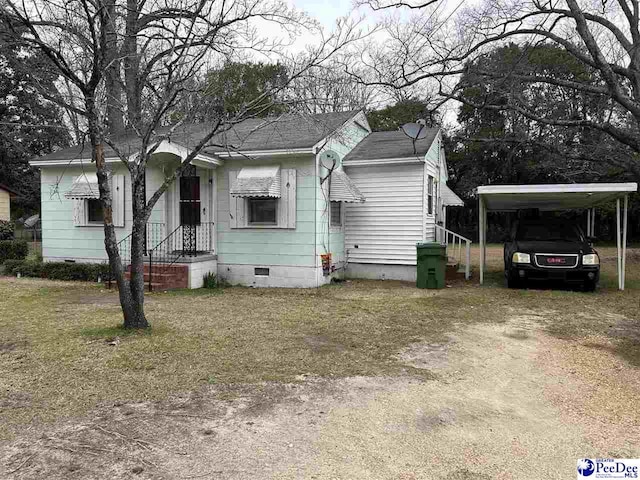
(6, 194)
(259, 208)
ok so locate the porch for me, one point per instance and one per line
(179, 259)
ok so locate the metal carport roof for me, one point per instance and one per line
(510, 198)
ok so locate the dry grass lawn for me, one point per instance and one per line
(63, 354)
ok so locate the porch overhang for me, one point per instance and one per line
(172, 148)
(553, 197)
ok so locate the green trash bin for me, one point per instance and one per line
(431, 264)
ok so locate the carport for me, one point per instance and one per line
(511, 198)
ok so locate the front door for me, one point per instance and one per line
(190, 210)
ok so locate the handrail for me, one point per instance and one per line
(153, 230)
(184, 240)
(455, 247)
(124, 258)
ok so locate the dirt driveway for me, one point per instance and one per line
(501, 400)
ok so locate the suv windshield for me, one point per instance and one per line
(548, 232)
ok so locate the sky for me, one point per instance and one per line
(325, 11)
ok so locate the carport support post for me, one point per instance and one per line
(619, 258)
(482, 235)
(621, 240)
(624, 241)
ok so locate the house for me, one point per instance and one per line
(6, 194)
(290, 202)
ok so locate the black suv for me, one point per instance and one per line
(552, 250)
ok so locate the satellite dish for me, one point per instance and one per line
(329, 159)
(415, 131)
(32, 221)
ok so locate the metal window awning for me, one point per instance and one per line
(84, 187)
(510, 198)
(449, 198)
(342, 189)
(257, 182)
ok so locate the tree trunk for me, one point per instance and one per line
(134, 316)
(132, 64)
(131, 292)
(113, 87)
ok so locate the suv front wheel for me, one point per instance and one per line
(513, 281)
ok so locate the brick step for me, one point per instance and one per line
(167, 268)
(164, 277)
(155, 274)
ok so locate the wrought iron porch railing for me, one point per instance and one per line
(453, 243)
(154, 233)
(184, 241)
(162, 251)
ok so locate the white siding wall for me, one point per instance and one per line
(388, 225)
(435, 167)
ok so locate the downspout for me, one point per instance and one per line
(315, 217)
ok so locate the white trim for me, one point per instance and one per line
(559, 188)
(383, 161)
(264, 153)
(199, 161)
(77, 161)
(181, 151)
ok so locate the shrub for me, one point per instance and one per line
(87, 272)
(13, 250)
(24, 267)
(210, 280)
(7, 229)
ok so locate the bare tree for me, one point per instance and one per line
(327, 88)
(129, 63)
(435, 47)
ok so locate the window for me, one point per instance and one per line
(430, 195)
(94, 211)
(263, 211)
(336, 214)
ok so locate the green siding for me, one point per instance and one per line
(265, 246)
(331, 239)
(61, 239)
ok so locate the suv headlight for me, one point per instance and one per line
(519, 257)
(591, 259)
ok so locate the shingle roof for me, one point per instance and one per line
(264, 134)
(393, 144)
(9, 189)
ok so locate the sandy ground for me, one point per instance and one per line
(505, 401)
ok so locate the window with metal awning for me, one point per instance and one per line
(84, 187)
(85, 195)
(257, 182)
(342, 189)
